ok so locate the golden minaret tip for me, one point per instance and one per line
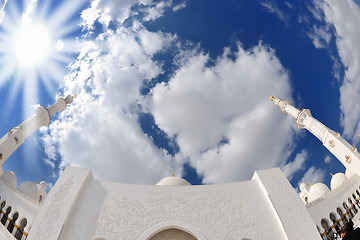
(271, 98)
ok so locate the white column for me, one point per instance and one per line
(339, 147)
(13, 139)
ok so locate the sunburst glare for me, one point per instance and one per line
(35, 48)
(31, 44)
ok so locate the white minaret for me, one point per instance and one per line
(16, 136)
(347, 154)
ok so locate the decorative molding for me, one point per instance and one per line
(53, 211)
(216, 217)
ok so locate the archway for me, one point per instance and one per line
(342, 216)
(2, 205)
(335, 222)
(173, 234)
(5, 216)
(173, 227)
(356, 202)
(20, 231)
(12, 222)
(328, 231)
(349, 213)
(352, 208)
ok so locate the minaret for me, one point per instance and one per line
(342, 150)
(16, 136)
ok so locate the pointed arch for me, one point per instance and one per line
(6, 214)
(335, 222)
(343, 218)
(326, 226)
(20, 230)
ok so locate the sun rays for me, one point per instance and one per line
(35, 47)
(31, 45)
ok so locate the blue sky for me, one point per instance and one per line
(180, 86)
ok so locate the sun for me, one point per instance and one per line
(38, 41)
(31, 44)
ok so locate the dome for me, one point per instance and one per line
(42, 185)
(173, 181)
(30, 189)
(337, 180)
(318, 190)
(9, 178)
(303, 186)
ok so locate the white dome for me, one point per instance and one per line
(30, 189)
(42, 185)
(303, 186)
(173, 181)
(318, 190)
(337, 180)
(9, 178)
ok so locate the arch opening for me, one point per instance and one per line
(20, 231)
(172, 233)
(12, 222)
(344, 219)
(6, 215)
(185, 229)
(335, 221)
(328, 230)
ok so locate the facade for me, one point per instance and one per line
(265, 207)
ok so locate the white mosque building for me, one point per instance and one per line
(265, 207)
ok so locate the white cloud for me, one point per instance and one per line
(100, 130)
(217, 110)
(320, 36)
(316, 9)
(272, 8)
(152, 42)
(179, 6)
(327, 159)
(313, 175)
(50, 150)
(156, 10)
(221, 116)
(107, 10)
(345, 16)
(296, 165)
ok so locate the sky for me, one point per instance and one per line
(179, 86)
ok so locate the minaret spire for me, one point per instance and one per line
(16, 136)
(285, 107)
(347, 154)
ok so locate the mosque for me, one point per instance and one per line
(265, 207)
